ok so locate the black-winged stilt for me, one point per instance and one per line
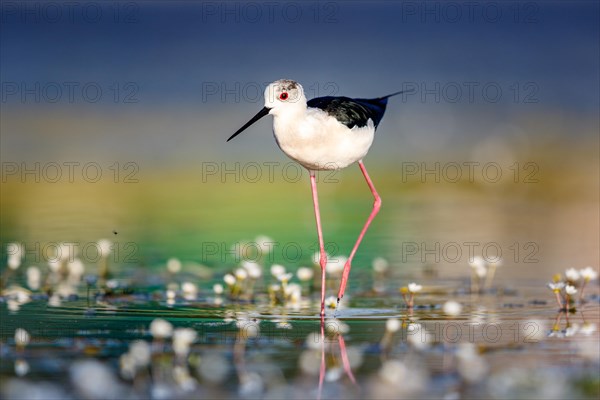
(325, 133)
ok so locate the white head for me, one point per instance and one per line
(281, 96)
(284, 94)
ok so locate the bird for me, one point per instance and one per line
(324, 133)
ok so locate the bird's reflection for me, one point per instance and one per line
(332, 332)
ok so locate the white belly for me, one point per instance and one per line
(319, 142)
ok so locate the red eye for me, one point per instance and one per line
(283, 96)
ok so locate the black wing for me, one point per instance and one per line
(351, 112)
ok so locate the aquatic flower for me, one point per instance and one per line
(452, 308)
(336, 328)
(229, 279)
(572, 275)
(556, 287)
(34, 277)
(380, 265)
(265, 244)
(304, 274)
(415, 336)
(398, 380)
(588, 328)
(140, 352)
(571, 330)
(277, 270)
(22, 337)
(254, 269)
(284, 278)
(335, 265)
(21, 367)
(218, 288)
(104, 247)
(392, 325)
(241, 274)
(414, 288)
(182, 339)
(570, 290)
(76, 270)
(190, 290)
(173, 266)
(471, 366)
(588, 274)
(16, 254)
(94, 380)
(331, 302)
(214, 367)
(161, 329)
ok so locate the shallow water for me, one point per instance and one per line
(510, 341)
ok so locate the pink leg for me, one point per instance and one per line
(345, 361)
(323, 257)
(322, 368)
(376, 207)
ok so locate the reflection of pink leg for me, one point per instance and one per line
(322, 369)
(323, 257)
(345, 361)
(376, 207)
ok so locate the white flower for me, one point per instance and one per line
(588, 328)
(218, 288)
(416, 337)
(140, 352)
(556, 286)
(182, 339)
(414, 288)
(34, 277)
(571, 330)
(161, 329)
(229, 279)
(22, 337)
(265, 243)
(331, 302)
(285, 277)
(588, 273)
(254, 270)
(477, 263)
(496, 262)
(570, 290)
(104, 247)
(452, 308)
(304, 273)
(241, 274)
(76, 268)
(15, 255)
(190, 290)
(572, 274)
(481, 272)
(392, 325)
(173, 265)
(335, 265)
(380, 265)
(277, 270)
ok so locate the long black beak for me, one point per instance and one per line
(258, 116)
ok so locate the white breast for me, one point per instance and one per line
(319, 142)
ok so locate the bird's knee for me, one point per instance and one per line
(377, 203)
